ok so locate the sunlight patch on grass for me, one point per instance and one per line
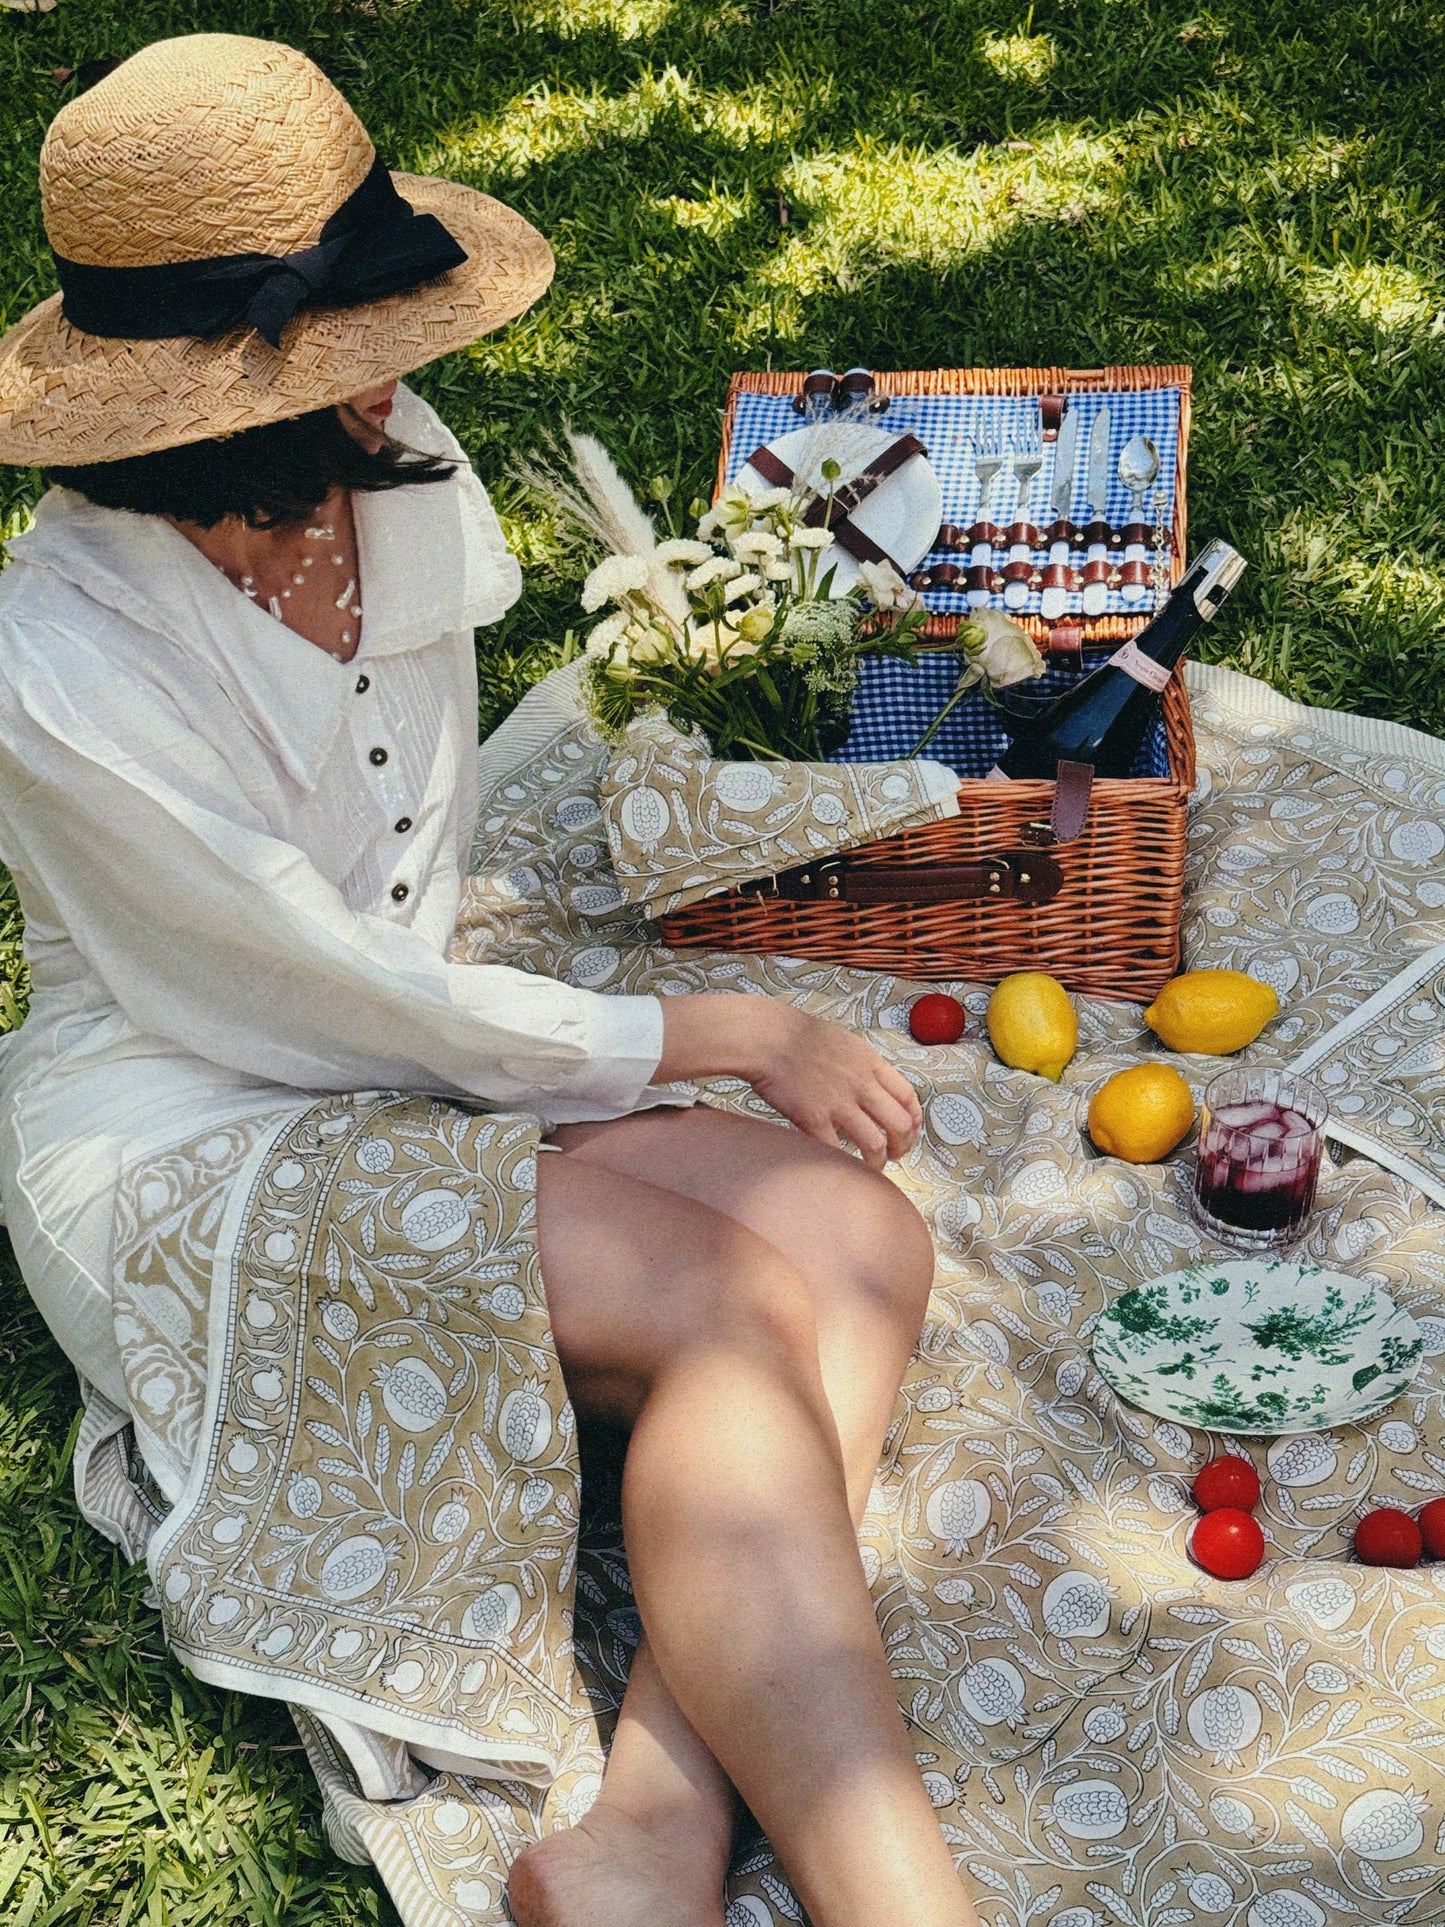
(547, 123)
(1388, 588)
(627, 19)
(1312, 550)
(1379, 292)
(1019, 56)
(16, 521)
(548, 345)
(878, 206)
(714, 214)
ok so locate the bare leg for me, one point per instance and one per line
(867, 1261)
(735, 1492)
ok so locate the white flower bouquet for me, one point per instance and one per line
(736, 630)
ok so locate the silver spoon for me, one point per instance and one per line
(1138, 468)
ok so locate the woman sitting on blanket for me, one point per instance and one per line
(240, 861)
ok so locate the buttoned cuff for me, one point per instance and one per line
(622, 1038)
(624, 1051)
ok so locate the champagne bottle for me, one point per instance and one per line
(1102, 720)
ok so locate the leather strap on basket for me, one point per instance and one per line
(1073, 786)
(826, 512)
(1014, 876)
(1066, 639)
(835, 511)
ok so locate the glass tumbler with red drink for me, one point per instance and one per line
(1258, 1162)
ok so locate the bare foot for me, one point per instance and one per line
(612, 1871)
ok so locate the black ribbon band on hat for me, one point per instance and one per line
(373, 245)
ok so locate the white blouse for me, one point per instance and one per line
(240, 861)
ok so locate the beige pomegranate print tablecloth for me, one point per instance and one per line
(380, 1521)
(1107, 1734)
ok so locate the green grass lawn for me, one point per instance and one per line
(1251, 186)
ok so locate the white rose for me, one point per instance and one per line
(1004, 653)
(755, 623)
(810, 539)
(711, 642)
(885, 587)
(647, 645)
(733, 512)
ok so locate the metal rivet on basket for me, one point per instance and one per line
(1024, 877)
(832, 890)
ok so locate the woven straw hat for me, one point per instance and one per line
(215, 145)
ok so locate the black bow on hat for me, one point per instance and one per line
(373, 245)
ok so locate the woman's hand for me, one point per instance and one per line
(829, 1082)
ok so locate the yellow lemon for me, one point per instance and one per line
(1141, 1113)
(1032, 1025)
(1211, 1011)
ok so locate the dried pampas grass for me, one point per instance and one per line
(581, 484)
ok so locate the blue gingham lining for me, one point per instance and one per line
(947, 424)
(896, 701)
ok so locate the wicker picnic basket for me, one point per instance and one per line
(1112, 929)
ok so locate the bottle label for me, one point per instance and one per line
(1132, 660)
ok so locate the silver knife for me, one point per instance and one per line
(1100, 474)
(1066, 448)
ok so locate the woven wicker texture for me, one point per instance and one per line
(216, 144)
(1113, 930)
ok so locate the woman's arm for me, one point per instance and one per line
(209, 931)
(223, 938)
(826, 1080)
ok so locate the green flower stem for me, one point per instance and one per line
(970, 679)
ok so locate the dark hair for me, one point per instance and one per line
(279, 472)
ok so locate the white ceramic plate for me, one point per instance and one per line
(1259, 1346)
(902, 514)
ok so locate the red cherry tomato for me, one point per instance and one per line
(936, 1019)
(1228, 1543)
(1227, 1481)
(1388, 1537)
(1432, 1528)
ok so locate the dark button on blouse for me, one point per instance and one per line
(403, 824)
(400, 892)
(378, 756)
(363, 683)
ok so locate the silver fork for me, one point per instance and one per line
(988, 452)
(1028, 443)
(1027, 439)
(987, 461)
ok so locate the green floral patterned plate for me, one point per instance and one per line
(1260, 1345)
